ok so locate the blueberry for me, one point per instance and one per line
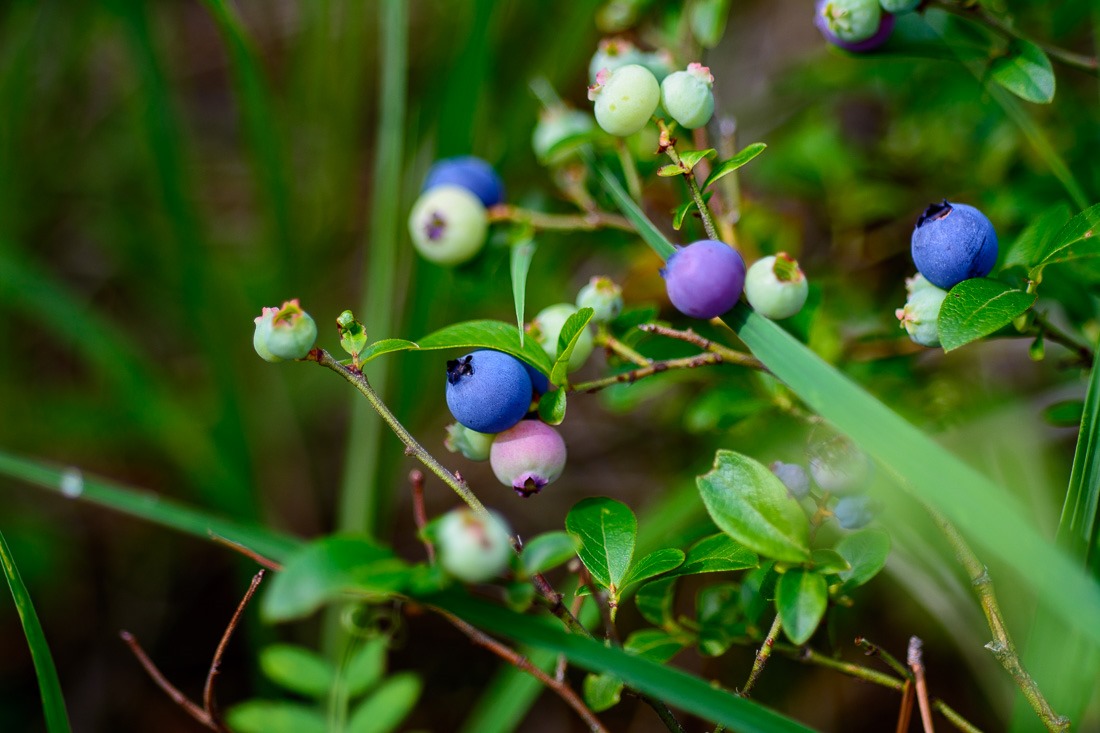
(559, 132)
(952, 243)
(855, 512)
(604, 297)
(546, 328)
(921, 311)
(660, 63)
(284, 333)
(528, 456)
(687, 96)
(793, 477)
(613, 53)
(488, 391)
(469, 172)
(473, 548)
(776, 287)
(854, 25)
(448, 225)
(470, 443)
(625, 99)
(704, 279)
(897, 7)
(837, 465)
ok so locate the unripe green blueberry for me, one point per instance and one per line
(917, 283)
(611, 54)
(284, 333)
(448, 225)
(920, 314)
(554, 131)
(687, 96)
(660, 63)
(528, 456)
(898, 7)
(470, 443)
(776, 287)
(546, 328)
(851, 21)
(473, 548)
(625, 99)
(837, 465)
(604, 297)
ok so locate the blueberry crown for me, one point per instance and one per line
(459, 368)
(934, 212)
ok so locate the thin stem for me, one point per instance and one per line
(1052, 333)
(167, 687)
(730, 356)
(688, 362)
(209, 700)
(762, 657)
(905, 712)
(587, 222)
(564, 691)
(607, 610)
(954, 718)
(412, 447)
(873, 650)
(630, 171)
(916, 663)
(420, 514)
(668, 146)
(605, 339)
(248, 552)
(1002, 647)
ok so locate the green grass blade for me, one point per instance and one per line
(646, 229)
(520, 264)
(53, 701)
(146, 506)
(1077, 530)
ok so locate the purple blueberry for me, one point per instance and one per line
(472, 173)
(854, 25)
(952, 243)
(488, 391)
(528, 456)
(855, 512)
(704, 279)
(793, 477)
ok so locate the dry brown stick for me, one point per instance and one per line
(420, 514)
(209, 701)
(564, 691)
(913, 657)
(905, 713)
(167, 687)
(588, 221)
(632, 376)
(248, 552)
(730, 356)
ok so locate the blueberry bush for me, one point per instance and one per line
(630, 432)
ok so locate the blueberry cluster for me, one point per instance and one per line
(840, 473)
(627, 92)
(449, 222)
(859, 25)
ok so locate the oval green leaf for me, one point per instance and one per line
(571, 331)
(548, 551)
(602, 691)
(520, 264)
(1025, 71)
(552, 407)
(607, 530)
(1029, 247)
(652, 565)
(750, 504)
(801, 598)
(978, 307)
(297, 669)
(1076, 240)
(723, 169)
(272, 716)
(829, 562)
(488, 334)
(717, 553)
(366, 666)
(866, 552)
(387, 706)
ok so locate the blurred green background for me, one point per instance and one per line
(155, 193)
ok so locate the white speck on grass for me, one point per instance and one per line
(72, 483)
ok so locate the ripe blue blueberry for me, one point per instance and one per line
(793, 477)
(546, 328)
(470, 443)
(469, 172)
(473, 548)
(448, 225)
(837, 465)
(854, 25)
(920, 315)
(488, 391)
(687, 96)
(855, 512)
(704, 279)
(284, 333)
(952, 243)
(604, 297)
(776, 287)
(539, 381)
(528, 456)
(625, 99)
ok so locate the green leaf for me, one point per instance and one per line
(297, 669)
(571, 332)
(750, 504)
(708, 21)
(488, 335)
(602, 691)
(49, 686)
(653, 644)
(384, 709)
(607, 530)
(829, 562)
(1076, 240)
(1079, 527)
(680, 212)
(673, 686)
(654, 601)
(717, 553)
(330, 568)
(718, 610)
(1028, 248)
(629, 208)
(978, 307)
(520, 261)
(668, 171)
(801, 598)
(552, 407)
(1065, 414)
(866, 552)
(652, 565)
(366, 667)
(385, 346)
(1025, 71)
(690, 158)
(519, 596)
(547, 551)
(271, 716)
(723, 169)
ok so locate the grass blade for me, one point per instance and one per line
(520, 262)
(53, 701)
(1077, 530)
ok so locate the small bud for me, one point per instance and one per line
(285, 333)
(470, 443)
(604, 297)
(920, 315)
(353, 336)
(263, 331)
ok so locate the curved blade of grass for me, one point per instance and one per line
(648, 232)
(1080, 522)
(522, 252)
(146, 506)
(53, 701)
(673, 686)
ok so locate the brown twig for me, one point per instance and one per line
(420, 514)
(657, 367)
(762, 657)
(564, 691)
(730, 356)
(586, 222)
(905, 712)
(207, 715)
(916, 663)
(248, 552)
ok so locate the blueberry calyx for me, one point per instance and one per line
(934, 212)
(459, 368)
(435, 226)
(528, 485)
